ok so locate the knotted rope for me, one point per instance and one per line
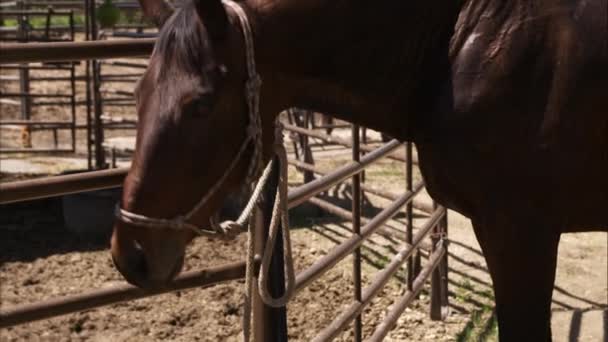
(279, 221)
(252, 134)
(229, 229)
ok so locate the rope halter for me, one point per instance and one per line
(228, 229)
(253, 134)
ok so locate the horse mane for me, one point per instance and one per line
(183, 42)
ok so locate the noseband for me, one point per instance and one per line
(253, 135)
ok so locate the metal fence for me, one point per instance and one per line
(269, 323)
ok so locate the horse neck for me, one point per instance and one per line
(360, 61)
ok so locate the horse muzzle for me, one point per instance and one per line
(150, 262)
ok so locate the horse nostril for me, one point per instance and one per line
(131, 263)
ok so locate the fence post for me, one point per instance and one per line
(100, 157)
(356, 213)
(439, 290)
(301, 118)
(87, 37)
(413, 263)
(445, 296)
(270, 324)
(24, 75)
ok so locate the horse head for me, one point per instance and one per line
(194, 144)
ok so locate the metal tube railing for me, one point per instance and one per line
(422, 206)
(340, 141)
(346, 317)
(304, 192)
(75, 51)
(61, 185)
(402, 303)
(345, 248)
(120, 293)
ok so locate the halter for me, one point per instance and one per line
(253, 134)
(279, 220)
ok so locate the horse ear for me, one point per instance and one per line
(214, 17)
(156, 10)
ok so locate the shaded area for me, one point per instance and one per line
(36, 229)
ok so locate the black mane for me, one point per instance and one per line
(183, 41)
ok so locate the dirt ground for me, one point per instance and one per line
(41, 260)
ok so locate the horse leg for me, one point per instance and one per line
(522, 260)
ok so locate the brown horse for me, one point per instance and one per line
(506, 101)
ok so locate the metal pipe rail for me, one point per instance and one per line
(34, 123)
(348, 216)
(338, 253)
(304, 192)
(34, 12)
(425, 207)
(116, 294)
(336, 140)
(97, 180)
(75, 51)
(400, 305)
(61, 185)
(382, 277)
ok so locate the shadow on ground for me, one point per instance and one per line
(36, 229)
(470, 292)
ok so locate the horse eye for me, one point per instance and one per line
(199, 106)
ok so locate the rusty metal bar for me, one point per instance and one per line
(304, 192)
(61, 185)
(445, 298)
(34, 150)
(356, 214)
(74, 51)
(400, 305)
(347, 247)
(32, 67)
(124, 292)
(380, 193)
(343, 213)
(336, 140)
(34, 12)
(126, 64)
(409, 179)
(381, 278)
(32, 95)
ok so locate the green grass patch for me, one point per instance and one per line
(40, 21)
(482, 326)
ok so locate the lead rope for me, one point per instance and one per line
(279, 212)
(279, 222)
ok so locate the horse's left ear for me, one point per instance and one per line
(214, 17)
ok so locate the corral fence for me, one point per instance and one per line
(269, 323)
(35, 21)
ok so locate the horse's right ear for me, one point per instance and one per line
(156, 10)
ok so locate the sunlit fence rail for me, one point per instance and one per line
(435, 226)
